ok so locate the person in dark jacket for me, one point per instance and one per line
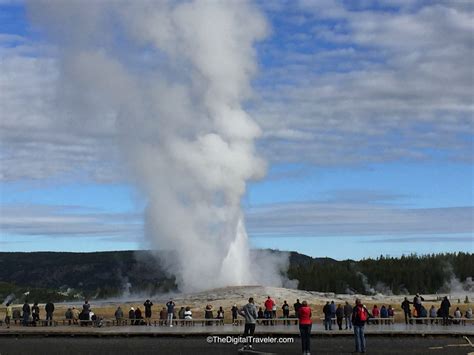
(406, 310)
(35, 310)
(360, 314)
(118, 315)
(147, 306)
(327, 316)
(339, 316)
(286, 311)
(348, 315)
(417, 303)
(235, 312)
(26, 313)
(131, 315)
(49, 308)
(138, 316)
(444, 310)
(208, 314)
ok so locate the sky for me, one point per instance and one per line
(366, 117)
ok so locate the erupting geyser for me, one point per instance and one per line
(169, 79)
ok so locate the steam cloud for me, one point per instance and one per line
(169, 79)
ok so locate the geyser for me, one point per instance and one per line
(167, 82)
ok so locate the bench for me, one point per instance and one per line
(439, 320)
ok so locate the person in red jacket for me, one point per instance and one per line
(304, 316)
(269, 303)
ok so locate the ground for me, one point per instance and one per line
(198, 345)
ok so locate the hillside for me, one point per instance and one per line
(62, 276)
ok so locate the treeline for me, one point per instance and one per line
(407, 274)
(63, 276)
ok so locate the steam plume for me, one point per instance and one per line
(169, 79)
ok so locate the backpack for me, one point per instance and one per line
(361, 314)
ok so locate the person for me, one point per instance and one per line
(118, 315)
(296, 307)
(68, 315)
(406, 310)
(163, 316)
(49, 308)
(75, 315)
(220, 313)
(348, 315)
(26, 313)
(423, 314)
(249, 312)
(84, 317)
(433, 313)
(86, 307)
(147, 306)
(181, 313)
(391, 314)
(269, 303)
(333, 310)
(444, 310)
(383, 314)
(260, 314)
(360, 314)
(457, 316)
(188, 315)
(467, 315)
(234, 311)
(375, 314)
(8, 314)
(208, 314)
(339, 316)
(274, 311)
(131, 315)
(304, 316)
(286, 311)
(170, 309)
(35, 310)
(417, 302)
(327, 316)
(138, 316)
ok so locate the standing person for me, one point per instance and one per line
(35, 310)
(118, 315)
(327, 316)
(138, 316)
(208, 314)
(26, 313)
(249, 312)
(360, 314)
(296, 307)
(348, 315)
(131, 315)
(286, 311)
(170, 309)
(8, 314)
(147, 306)
(391, 314)
(333, 310)
(49, 308)
(304, 316)
(269, 303)
(406, 310)
(444, 308)
(234, 311)
(339, 316)
(163, 316)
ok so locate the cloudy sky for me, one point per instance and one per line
(366, 116)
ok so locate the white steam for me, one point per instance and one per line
(170, 78)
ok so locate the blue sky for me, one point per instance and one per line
(366, 112)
